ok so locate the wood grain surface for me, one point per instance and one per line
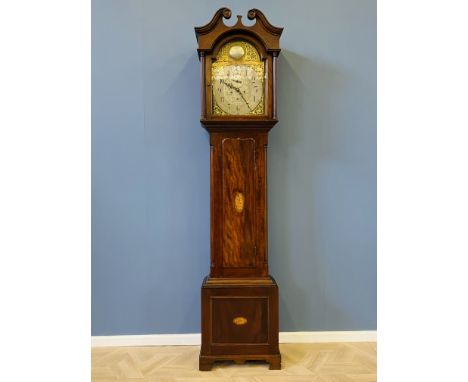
(239, 173)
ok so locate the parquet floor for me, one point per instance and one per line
(330, 362)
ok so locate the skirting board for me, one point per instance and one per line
(195, 338)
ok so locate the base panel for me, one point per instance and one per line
(240, 321)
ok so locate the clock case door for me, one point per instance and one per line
(238, 204)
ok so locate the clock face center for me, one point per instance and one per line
(236, 52)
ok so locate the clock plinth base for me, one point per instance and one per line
(206, 362)
(239, 321)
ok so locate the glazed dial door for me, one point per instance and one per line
(238, 77)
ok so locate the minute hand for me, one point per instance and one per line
(229, 85)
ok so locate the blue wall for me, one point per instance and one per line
(150, 165)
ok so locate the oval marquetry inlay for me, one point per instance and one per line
(239, 202)
(240, 320)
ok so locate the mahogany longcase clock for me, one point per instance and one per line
(238, 91)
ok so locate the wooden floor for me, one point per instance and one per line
(332, 362)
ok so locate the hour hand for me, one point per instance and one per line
(242, 96)
(230, 84)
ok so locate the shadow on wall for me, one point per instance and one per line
(178, 226)
(302, 140)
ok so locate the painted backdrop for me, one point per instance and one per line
(150, 165)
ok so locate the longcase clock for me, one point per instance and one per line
(238, 91)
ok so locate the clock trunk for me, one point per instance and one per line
(238, 204)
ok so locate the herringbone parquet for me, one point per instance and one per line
(331, 362)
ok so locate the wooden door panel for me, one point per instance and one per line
(240, 320)
(238, 202)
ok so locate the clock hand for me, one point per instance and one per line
(243, 98)
(228, 84)
(237, 90)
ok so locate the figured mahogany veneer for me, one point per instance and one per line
(238, 239)
(238, 202)
(239, 298)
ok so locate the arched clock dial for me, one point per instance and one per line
(238, 80)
